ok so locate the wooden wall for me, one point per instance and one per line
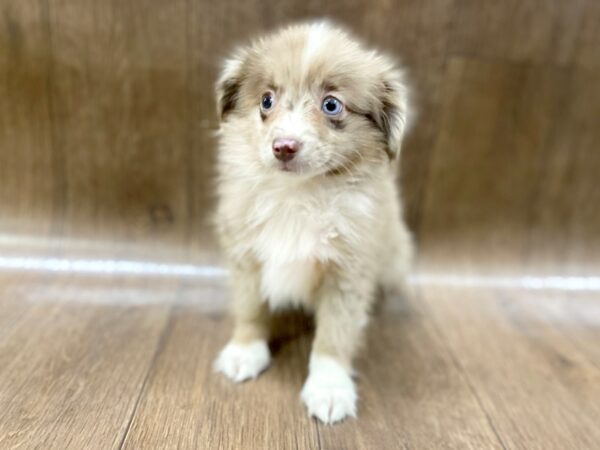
(107, 113)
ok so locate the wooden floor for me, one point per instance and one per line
(122, 362)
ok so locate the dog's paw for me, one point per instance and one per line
(243, 362)
(329, 393)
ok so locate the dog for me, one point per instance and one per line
(309, 213)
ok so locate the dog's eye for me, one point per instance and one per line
(332, 106)
(267, 101)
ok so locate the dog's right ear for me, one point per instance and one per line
(393, 116)
(229, 83)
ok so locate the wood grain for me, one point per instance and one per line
(191, 413)
(407, 381)
(412, 393)
(526, 137)
(71, 371)
(538, 388)
(28, 190)
(445, 368)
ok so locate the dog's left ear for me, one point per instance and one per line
(393, 111)
(229, 83)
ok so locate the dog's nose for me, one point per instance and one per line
(285, 149)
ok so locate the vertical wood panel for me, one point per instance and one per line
(120, 92)
(28, 184)
(508, 180)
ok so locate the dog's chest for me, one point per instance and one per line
(295, 240)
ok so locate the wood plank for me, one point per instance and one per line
(186, 405)
(71, 373)
(538, 389)
(572, 316)
(28, 191)
(119, 93)
(412, 393)
(12, 307)
(538, 31)
(511, 171)
(456, 368)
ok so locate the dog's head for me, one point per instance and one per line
(310, 100)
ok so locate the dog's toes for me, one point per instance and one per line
(329, 404)
(243, 362)
(329, 395)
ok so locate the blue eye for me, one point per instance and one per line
(332, 106)
(267, 101)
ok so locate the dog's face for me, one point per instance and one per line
(309, 100)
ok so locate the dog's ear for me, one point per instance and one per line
(393, 112)
(229, 83)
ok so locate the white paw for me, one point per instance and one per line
(243, 362)
(329, 393)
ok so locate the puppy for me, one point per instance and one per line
(309, 214)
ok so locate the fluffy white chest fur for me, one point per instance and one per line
(299, 234)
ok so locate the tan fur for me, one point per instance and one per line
(326, 234)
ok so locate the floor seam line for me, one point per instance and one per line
(465, 376)
(159, 348)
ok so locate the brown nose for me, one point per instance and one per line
(285, 149)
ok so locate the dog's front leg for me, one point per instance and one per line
(247, 353)
(342, 313)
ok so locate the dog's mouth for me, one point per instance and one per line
(288, 167)
(295, 167)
